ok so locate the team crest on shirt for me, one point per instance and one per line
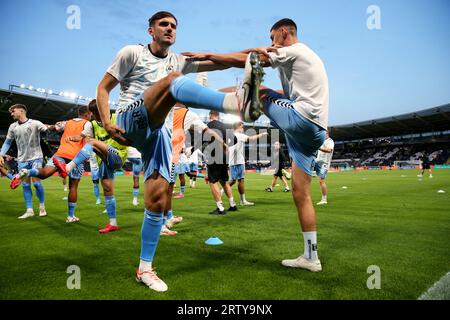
(170, 68)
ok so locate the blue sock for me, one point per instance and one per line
(27, 195)
(151, 227)
(169, 214)
(72, 206)
(9, 176)
(33, 172)
(84, 154)
(195, 95)
(110, 203)
(182, 189)
(96, 191)
(39, 192)
(135, 192)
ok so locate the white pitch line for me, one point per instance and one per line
(439, 291)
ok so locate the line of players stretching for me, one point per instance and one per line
(153, 79)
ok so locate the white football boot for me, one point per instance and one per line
(248, 93)
(150, 279)
(303, 263)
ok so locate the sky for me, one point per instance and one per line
(402, 66)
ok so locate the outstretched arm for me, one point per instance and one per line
(257, 136)
(5, 147)
(218, 138)
(227, 60)
(326, 150)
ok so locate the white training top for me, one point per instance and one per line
(324, 157)
(27, 136)
(236, 151)
(193, 121)
(136, 68)
(194, 158)
(133, 153)
(304, 81)
(183, 159)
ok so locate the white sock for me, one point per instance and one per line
(42, 206)
(30, 210)
(220, 205)
(310, 248)
(113, 222)
(145, 266)
(324, 198)
(70, 166)
(230, 103)
(232, 203)
(243, 197)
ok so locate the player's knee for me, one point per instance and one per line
(156, 201)
(300, 193)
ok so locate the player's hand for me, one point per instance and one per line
(192, 56)
(2, 161)
(266, 50)
(262, 50)
(116, 133)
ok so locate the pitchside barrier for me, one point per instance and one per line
(269, 172)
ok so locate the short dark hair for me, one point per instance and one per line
(82, 110)
(160, 15)
(214, 113)
(18, 106)
(93, 106)
(286, 22)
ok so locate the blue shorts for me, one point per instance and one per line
(31, 164)
(193, 167)
(137, 166)
(182, 168)
(112, 163)
(303, 137)
(154, 143)
(76, 173)
(321, 170)
(237, 172)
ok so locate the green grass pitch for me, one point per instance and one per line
(385, 218)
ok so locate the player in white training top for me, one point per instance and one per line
(146, 74)
(300, 110)
(237, 159)
(135, 158)
(194, 159)
(27, 134)
(323, 163)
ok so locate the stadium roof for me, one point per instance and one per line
(435, 119)
(49, 110)
(40, 107)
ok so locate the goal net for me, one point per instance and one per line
(407, 164)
